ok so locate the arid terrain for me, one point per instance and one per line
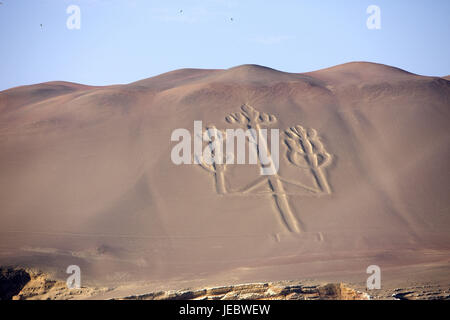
(23, 284)
(86, 179)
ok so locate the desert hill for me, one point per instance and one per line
(86, 178)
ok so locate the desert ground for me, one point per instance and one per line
(86, 179)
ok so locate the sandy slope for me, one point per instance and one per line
(86, 178)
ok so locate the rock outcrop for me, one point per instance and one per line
(261, 291)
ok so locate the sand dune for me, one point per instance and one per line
(86, 178)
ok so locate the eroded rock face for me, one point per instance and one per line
(30, 284)
(12, 281)
(261, 291)
(24, 284)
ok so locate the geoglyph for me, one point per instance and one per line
(305, 151)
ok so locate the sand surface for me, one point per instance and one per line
(86, 178)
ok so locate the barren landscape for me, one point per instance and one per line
(86, 179)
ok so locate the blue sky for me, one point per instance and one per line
(121, 41)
